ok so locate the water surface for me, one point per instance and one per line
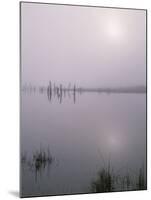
(82, 136)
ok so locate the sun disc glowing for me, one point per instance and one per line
(114, 30)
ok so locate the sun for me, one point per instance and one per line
(114, 30)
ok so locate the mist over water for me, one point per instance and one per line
(92, 47)
(83, 99)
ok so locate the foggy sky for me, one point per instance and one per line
(92, 47)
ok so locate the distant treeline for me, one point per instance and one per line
(135, 89)
(60, 87)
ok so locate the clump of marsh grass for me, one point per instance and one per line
(107, 180)
(141, 181)
(41, 159)
(38, 161)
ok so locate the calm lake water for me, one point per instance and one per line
(80, 138)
